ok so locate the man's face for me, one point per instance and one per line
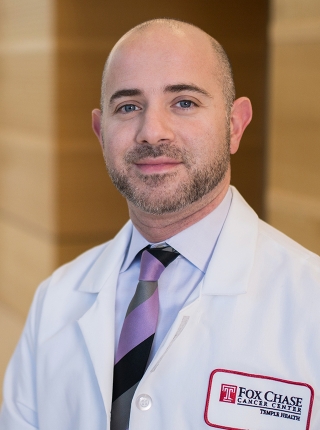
(164, 130)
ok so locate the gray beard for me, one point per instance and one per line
(200, 181)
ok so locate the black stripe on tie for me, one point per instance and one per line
(165, 257)
(130, 369)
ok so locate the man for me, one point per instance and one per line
(228, 340)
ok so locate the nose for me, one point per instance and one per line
(155, 127)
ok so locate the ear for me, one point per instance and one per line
(96, 123)
(241, 114)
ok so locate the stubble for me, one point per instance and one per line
(156, 193)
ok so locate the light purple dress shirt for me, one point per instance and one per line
(179, 284)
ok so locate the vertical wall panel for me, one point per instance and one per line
(27, 190)
(27, 162)
(293, 203)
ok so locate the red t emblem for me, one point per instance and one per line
(228, 393)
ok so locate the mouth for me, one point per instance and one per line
(157, 165)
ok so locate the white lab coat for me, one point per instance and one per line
(258, 313)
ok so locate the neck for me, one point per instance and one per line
(158, 228)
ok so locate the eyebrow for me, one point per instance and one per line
(125, 93)
(177, 88)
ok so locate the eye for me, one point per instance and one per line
(128, 108)
(186, 104)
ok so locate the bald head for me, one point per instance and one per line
(221, 65)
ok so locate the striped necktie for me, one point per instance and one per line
(137, 333)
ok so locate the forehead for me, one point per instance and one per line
(159, 57)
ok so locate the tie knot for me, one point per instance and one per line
(154, 261)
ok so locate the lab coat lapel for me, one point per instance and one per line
(227, 274)
(97, 324)
(232, 261)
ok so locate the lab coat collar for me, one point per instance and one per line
(109, 260)
(229, 270)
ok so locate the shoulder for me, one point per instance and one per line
(273, 260)
(88, 272)
(273, 245)
(285, 271)
(59, 293)
(72, 289)
(78, 268)
(95, 263)
(283, 248)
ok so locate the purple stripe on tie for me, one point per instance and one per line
(138, 325)
(151, 267)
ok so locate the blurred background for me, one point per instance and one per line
(56, 200)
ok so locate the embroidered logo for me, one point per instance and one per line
(238, 400)
(228, 393)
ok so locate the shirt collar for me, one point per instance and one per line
(196, 243)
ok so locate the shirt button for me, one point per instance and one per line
(144, 402)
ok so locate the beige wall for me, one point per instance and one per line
(26, 142)
(293, 193)
(26, 165)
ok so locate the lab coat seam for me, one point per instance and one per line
(181, 327)
(30, 409)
